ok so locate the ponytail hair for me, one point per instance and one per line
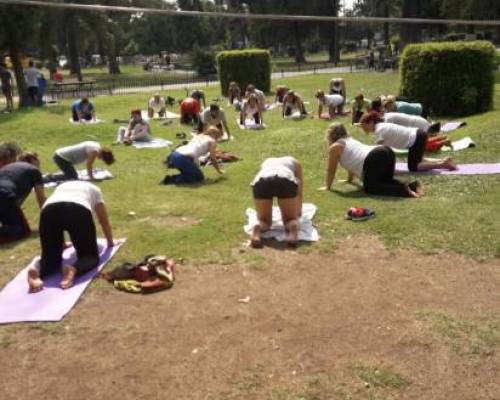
(371, 116)
(335, 132)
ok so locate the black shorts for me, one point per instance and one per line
(7, 90)
(416, 152)
(282, 188)
(33, 90)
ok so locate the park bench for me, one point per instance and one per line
(76, 89)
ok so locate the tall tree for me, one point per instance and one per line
(18, 27)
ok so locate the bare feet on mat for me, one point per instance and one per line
(34, 281)
(450, 164)
(255, 239)
(292, 238)
(68, 276)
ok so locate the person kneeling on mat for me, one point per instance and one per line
(66, 157)
(189, 110)
(17, 179)
(251, 107)
(401, 137)
(214, 116)
(83, 110)
(156, 104)
(281, 178)
(374, 165)
(186, 158)
(70, 209)
(291, 103)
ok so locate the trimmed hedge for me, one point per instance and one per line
(244, 67)
(451, 78)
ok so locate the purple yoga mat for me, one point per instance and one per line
(463, 169)
(52, 303)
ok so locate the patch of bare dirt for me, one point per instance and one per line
(309, 324)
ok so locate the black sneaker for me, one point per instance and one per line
(435, 127)
(168, 180)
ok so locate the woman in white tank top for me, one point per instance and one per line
(185, 158)
(373, 165)
(279, 177)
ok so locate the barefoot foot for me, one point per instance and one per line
(292, 237)
(450, 164)
(34, 281)
(68, 273)
(255, 240)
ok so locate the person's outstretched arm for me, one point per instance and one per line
(334, 153)
(300, 177)
(90, 164)
(40, 195)
(102, 217)
(212, 147)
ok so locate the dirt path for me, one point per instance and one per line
(359, 323)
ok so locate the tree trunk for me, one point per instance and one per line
(113, 65)
(410, 33)
(386, 24)
(72, 40)
(333, 33)
(22, 91)
(299, 50)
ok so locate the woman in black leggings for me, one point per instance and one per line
(374, 165)
(70, 209)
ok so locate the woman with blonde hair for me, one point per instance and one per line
(373, 165)
(186, 157)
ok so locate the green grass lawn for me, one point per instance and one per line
(461, 214)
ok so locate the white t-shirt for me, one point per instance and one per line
(354, 155)
(248, 109)
(86, 194)
(282, 167)
(333, 100)
(197, 147)
(31, 76)
(208, 119)
(156, 107)
(410, 121)
(397, 136)
(78, 153)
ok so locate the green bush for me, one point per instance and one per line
(244, 67)
(452, 78)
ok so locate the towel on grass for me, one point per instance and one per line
(250, 124)
(154, 143)
(451, 126)
(168, 115)
(99, 174)
(85, 122)
(296, 116)
(52, 303)
(307, 231)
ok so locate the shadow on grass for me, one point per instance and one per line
(13, 244)
(274, 244)
(18, 113)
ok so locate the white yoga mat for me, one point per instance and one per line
(99, 174)
(155, 143)
(307, 231)
(295, 116)
(85, 122)
(457, 145)
(168, 115)
(250, 124)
